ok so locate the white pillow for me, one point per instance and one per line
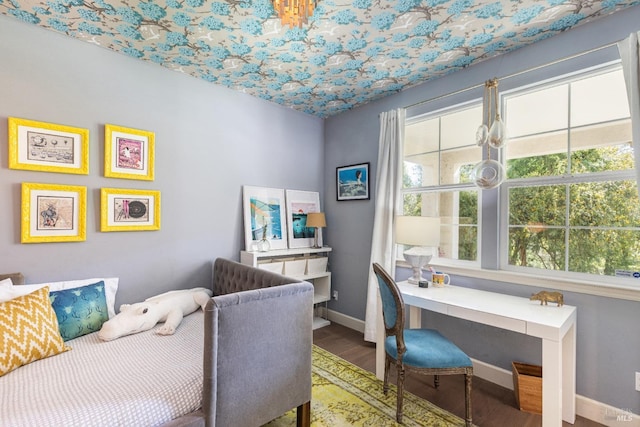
(7, 293)
(110, 289)
(6, 283)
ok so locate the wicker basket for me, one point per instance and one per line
(527, 385)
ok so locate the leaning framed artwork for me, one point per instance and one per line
(264, 209)
(299, 204)
(48, 147)
(129, 153)
(352, 182)
(123, 209)
(53, 213)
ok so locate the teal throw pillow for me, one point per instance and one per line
(80, 311)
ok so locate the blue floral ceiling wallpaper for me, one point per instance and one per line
(351, 51)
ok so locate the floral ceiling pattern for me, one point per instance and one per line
(351, 51)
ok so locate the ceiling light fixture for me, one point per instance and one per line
(489, 173)
(294, 12)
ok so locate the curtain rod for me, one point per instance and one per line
(548, 64)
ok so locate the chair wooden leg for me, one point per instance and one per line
(436, 381)
(303, 415)
(467, 399)
(400, 392)
(387, 367)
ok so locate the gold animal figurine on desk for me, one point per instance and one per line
(545, 296)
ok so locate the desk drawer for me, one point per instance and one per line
(489, 319)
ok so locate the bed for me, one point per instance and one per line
(213, 371)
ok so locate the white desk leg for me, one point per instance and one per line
(415, 316)
(551, 383)
(569, 375)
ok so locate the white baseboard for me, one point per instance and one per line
(493, 374)
(344, 320)
(605, 414)
(585, 407)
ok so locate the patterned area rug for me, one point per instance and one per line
(345, 395)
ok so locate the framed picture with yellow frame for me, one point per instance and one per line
(53, 213)
(128, 153)
(123, 209)
(48, 147)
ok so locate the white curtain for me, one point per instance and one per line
(630, 54)
(388, 186)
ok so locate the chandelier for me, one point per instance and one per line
(294, 12)
(489, 173)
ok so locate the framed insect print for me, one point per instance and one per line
(53, 213)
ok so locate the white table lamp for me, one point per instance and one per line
(422, 233)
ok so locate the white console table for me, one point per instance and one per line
(556, 326)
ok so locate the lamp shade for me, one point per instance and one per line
(316, 219)
(418, 230)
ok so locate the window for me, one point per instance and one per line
(570, 196)
(439, 154)
(569, 206)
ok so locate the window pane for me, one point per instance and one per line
(422, 137)
(459, 128)
(601, 148)
(604, 204)
(535, 207)
(598, 99)
(537, 165)
(604, 251)
(537, 247)
(422, 170)
(458, 212)
(443, 147)
(536, 112)
(457, 164)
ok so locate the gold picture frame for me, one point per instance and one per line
(48, 147)
(53, 213)
(129, 153)
(123, 209)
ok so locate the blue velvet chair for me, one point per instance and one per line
(423, 351)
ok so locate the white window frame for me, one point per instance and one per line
(503, 235)
(488, 267)
(448, 187)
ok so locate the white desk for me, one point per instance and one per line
(556, 326)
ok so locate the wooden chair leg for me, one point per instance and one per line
(467, 399)
(303, 415)
(436, 381)
(387, 367)
(400, 392)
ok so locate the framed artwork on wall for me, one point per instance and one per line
(264, 209)
(299, 204)
(352, 182)
(48, 147)
(123, 209)
(53, 213)
(128, 153)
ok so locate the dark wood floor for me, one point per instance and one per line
(493, 405)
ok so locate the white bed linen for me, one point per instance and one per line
(138, 380)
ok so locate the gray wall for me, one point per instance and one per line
(608, 343)
(209, 142)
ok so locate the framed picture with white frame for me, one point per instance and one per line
(264, 209)
(299, 204)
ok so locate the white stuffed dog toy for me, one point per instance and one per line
(169, 308)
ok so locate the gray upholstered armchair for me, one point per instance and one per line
(259, 345)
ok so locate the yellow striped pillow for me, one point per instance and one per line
(28, 330)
